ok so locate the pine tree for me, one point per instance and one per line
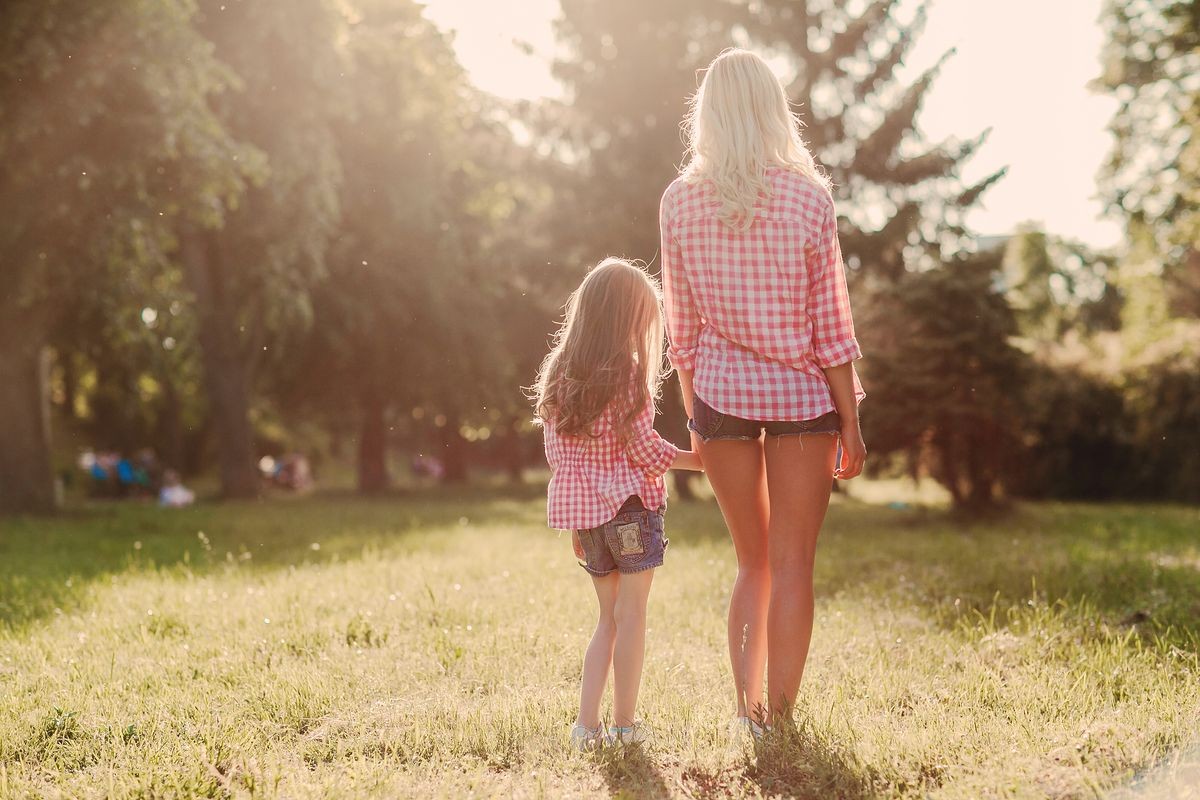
(899, 196)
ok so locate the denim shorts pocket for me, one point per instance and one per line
(705, 420)
(629, 539)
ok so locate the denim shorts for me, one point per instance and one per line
(711, 425)
(632, 541)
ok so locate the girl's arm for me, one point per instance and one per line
(689, 460)
(647, 450)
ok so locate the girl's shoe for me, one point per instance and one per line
(586, 740)
(739, 726)
(634, 734)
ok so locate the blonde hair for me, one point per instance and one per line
(608, 351)
(739, 124)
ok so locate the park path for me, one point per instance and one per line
(1176, 778)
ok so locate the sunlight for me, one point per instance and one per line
(504, 44)
(1028, 83)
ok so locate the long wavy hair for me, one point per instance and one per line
(607, 352)
(738, 125)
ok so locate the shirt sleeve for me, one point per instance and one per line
(683, 322)
(647, 450)
(829, 300)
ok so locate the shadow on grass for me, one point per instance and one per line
(47, 563)
(630, 772)
(798, 761)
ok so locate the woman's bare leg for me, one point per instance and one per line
(599, 652)
(799, 477)
(630, 650)
(738, 476)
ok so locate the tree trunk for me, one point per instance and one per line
(372, 444)
(26, 473)
(226, 372)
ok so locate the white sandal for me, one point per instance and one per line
(634, 734)
(586, 740)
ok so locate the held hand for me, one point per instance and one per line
(854, 454)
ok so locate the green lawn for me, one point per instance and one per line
(430, 645)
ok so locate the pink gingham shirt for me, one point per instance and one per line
(757, 313)
(592, 476)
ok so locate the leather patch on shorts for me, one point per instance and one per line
(630, 537)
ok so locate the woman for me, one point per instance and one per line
(760, 331)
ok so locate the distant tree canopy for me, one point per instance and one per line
(1151, 63)
(108, 140)
(235, 227)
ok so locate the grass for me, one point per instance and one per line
(429, 646)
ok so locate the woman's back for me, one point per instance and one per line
(757, 313)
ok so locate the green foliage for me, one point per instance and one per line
(1163, 402)
(1131, 431)
(109, 141)
(946, 377)
(1076, 434)
(409, 315)
(1056, 287)
(1151, 63)
(108, 136)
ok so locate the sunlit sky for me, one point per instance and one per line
(1022, 69)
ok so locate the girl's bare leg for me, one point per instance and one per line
(599, 652)
(799, 477)
(737, 473)
(630, 650)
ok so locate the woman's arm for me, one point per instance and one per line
(854, 450)
(685, 385)
(834, 345)
(683, 319)
(689, 394)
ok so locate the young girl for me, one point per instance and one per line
(595, 399)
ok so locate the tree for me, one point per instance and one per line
(949, 378)
(129, 367)
(108, 138)
(413, 312)
(1057, 287)
(901, 201)
(1151, 62)
(250, 265)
